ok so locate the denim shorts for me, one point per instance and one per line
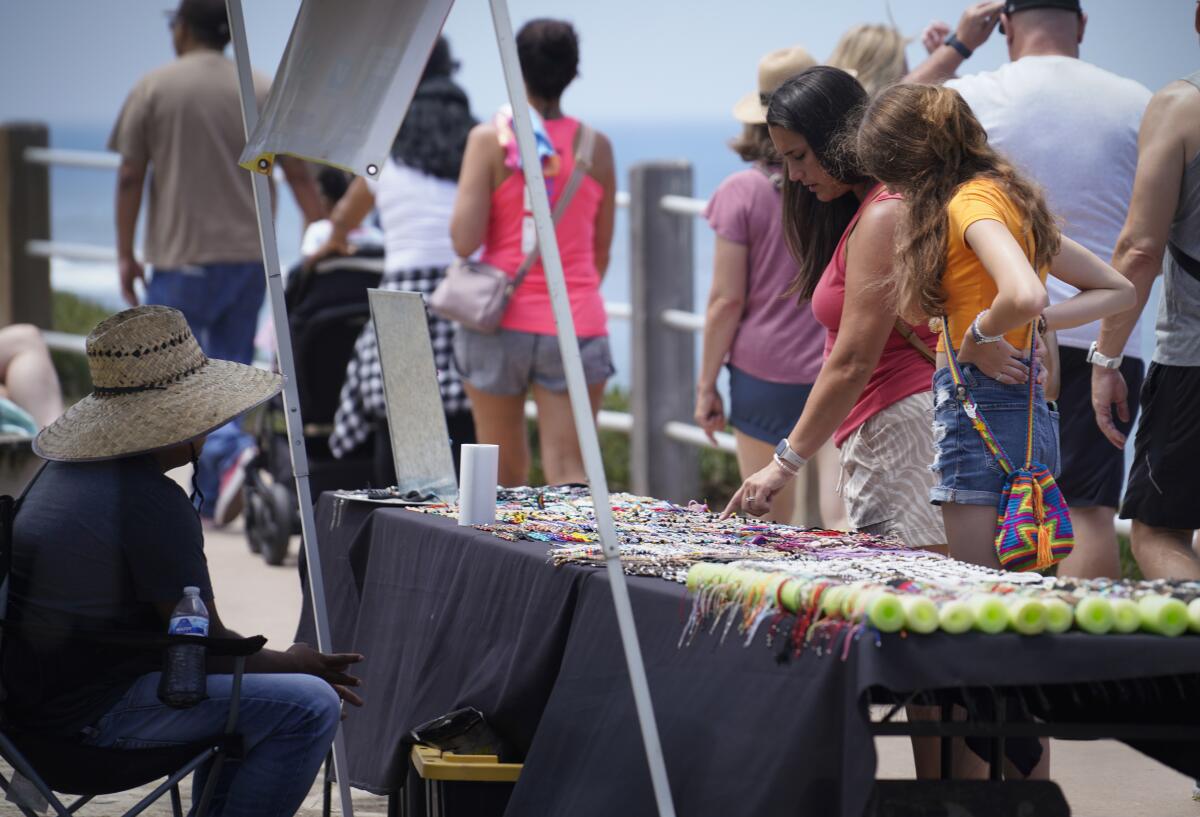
(966, 472)
(509, 362)
(764, 410)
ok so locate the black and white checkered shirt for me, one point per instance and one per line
(362, 401)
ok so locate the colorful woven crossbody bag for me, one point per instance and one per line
(1033, 526)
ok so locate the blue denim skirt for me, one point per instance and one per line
(966, 472)
(762, 409)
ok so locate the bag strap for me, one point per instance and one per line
(905, 331)
(1184, 261)
(583, 163)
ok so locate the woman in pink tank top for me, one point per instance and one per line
(873, 393)
(492, 214)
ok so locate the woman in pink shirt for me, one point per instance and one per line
(873, 392)
(491, 212)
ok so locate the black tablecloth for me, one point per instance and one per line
(450, 617)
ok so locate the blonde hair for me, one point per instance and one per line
(874, 53)
(923, 141)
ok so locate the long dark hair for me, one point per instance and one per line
(822, 104)
(434, 134)
(924, 141)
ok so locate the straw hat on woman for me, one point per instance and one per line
(153, 389)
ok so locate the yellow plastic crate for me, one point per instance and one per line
(432, 764)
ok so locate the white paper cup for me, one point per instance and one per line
(477, 484)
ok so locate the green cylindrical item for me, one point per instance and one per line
(885, 612)
(1026, 616)
(1059, 615)
(1095, 615)
(1126, 616)
(1164, 615)
(955, 617)
(791, 595)
(920, 614)
(991, 614)
(1194, 615)
(832, 599)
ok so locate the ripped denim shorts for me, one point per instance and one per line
(964, 469)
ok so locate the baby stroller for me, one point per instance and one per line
(327, 309)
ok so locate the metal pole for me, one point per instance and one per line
(581, 408)
(287, 365)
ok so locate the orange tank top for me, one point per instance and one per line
(968, 286)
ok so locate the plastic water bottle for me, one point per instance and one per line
(184, 680)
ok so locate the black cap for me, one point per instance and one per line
(1013, 6)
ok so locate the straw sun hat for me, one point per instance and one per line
(774, 69)
(153, 389)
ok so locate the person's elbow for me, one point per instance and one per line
(725, 307)
(1136, 255)
(1029, 302)
(130, 176)
(1126, 294)
(464, 244)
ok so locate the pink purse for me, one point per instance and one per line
(476, 295)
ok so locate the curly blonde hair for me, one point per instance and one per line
(924, 142)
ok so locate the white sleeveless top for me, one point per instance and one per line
(414, 212)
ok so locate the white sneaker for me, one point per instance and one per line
(229, 498)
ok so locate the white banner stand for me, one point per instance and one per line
(287, 365)
(568, 344)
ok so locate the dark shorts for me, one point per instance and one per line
(1093, 469)
(967, 473)
(1164, 481)
(764, 410)
(509, 362)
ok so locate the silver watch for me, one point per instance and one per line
(785, 453)
(1097, 358)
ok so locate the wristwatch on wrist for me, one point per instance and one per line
(978, 336)
(788, 458)
(958, 46)
(1097, 358)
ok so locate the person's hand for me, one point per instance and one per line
(710, 412)
(758, 491)
(129, 271)
(1108, 390)
(336, 245)
(330, 668)
(1000, 360)
(978, 22)
(934, 35)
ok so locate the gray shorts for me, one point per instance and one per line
(509, 362)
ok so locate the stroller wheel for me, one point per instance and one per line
(253, 513)
(278, 504)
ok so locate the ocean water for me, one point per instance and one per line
(82, 210)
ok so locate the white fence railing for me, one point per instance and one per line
(661, 215)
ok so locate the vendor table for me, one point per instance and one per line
(449, 617)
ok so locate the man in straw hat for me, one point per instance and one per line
(104, 540)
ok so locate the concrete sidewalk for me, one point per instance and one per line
(1099, 778)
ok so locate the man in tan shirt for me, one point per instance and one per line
(182, 126)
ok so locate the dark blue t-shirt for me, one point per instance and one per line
(95, 546)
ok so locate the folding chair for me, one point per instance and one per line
(66, 765)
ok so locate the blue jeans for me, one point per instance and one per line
(287, 723)
(221, 303)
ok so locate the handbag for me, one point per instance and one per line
(1033, 525)
(475, 294)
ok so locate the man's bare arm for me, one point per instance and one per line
(977, 24)
(131, 179)
(304, 188)
(1173, 115)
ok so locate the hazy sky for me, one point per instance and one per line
(73, 61)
